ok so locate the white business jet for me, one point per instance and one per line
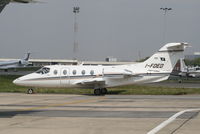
(14, 64)
(188, 71)
(155, 69)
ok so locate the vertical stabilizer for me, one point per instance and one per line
(26, 58)
(165, 59)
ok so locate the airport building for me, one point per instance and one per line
(44, 62)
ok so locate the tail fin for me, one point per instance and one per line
(26, 58)
(165, 59)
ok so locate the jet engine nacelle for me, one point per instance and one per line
(23, 62)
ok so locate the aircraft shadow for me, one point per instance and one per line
(10, 114)
(116, 92)
(109, 93)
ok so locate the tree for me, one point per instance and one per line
(195, 62)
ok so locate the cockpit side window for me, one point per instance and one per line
(43, 70)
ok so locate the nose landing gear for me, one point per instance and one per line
(100, 91)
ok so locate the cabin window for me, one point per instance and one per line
(43, 70)
(55, 72)
(74, 72)
(64, 72)
(92, 72)
(83, 72)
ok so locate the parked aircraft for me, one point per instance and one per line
(15, 63)
(188, 71)
(155, 69)
(3, 3)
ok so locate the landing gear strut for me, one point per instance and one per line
(30, 91)
(100, 91)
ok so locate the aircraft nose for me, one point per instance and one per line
(17, 81)
(23, 81)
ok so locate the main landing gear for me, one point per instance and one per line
(100, 91)
(30, 91)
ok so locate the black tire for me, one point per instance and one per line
(97, 92)
(30, 91)
(104, 91)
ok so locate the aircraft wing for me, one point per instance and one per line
(122, 75)
(117, 73)
(101, 81)
(91, 82)
(7, 63)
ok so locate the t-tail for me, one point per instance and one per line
(163, 61)
(26, 58)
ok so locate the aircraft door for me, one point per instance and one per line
(64, 77)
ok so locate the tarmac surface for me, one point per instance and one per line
(110, 114)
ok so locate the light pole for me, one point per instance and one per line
(76, 10)
(164, 22)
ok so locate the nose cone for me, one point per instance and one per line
(24, 80)
(17, 81)
(20, 81)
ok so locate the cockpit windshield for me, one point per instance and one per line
(43, 70)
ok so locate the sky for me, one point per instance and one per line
(124, 29)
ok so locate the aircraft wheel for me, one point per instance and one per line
(104, 91)
(97, 92)
(30, 91)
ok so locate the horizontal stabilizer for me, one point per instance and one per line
(174, 47)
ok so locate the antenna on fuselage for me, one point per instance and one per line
(76, 10)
